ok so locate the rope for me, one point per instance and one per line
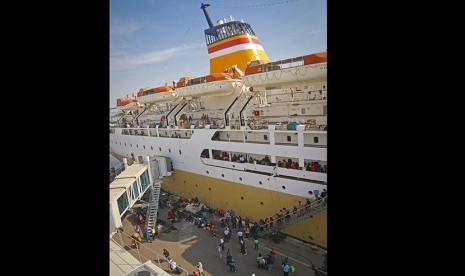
(168, 59)
(260, 5)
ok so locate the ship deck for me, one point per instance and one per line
(189, 244)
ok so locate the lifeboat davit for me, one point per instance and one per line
(311, 67)
(216, 84)
(159, 94)
(127, 104)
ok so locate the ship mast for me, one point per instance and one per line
(204, 7)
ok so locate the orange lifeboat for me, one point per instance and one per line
(164, 88)
(255, 67)
(299, 69)
(124, 101)
(182, 82)
(159, 94)
(316, 58)
(218, 76)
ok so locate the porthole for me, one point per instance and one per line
(209, 189)
(169, 150)
(151, 147)
(195, 185)
(179, 151)
(124, 144)
(284, 187)
(208, 172)
(242, 198)
(310, 192)
(261, 202)
(159, 148)
(222, 174)
(144, 146)
(130, 145)
(240, 178)
(259, 182)
(137, 145)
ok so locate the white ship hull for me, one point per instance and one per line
(185, 155)
(129, 106)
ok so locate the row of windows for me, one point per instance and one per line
(265, 137)
(259, 182)
(137, 146)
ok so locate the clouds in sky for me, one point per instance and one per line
(121, 28)
(124, 60)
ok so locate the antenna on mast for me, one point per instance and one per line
(203, 7)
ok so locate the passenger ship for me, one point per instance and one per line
(250, 136)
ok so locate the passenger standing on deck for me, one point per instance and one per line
(240, 235)
(220, 251)
(234, 221)
(153, 233)
(256, 242)
(147, 235)
(226, 234)
(243, 251)
(159, 229)
(286, 269)
(199, 268)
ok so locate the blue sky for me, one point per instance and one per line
(157, 41)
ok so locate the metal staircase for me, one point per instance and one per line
(302, 214)
(153, 205)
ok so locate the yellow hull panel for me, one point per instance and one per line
(217, 193)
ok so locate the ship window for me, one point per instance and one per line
(261, 202)
(179, 151)
(209, 188)
(130, 145)
(144, 146)
(265, 137)
(151, 147)
(289, 138)
(185, 133)
(169, 150)
(240, 178)
(302, 110)
(195, 185)
(310, 192)
(259, 182)
(315, 139)
(124, 144)
(284, 187)
(159, 148)
(222, 174)
(137, 145)
(242, 198)
(208, 172)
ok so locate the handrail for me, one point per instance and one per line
(159, 256)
